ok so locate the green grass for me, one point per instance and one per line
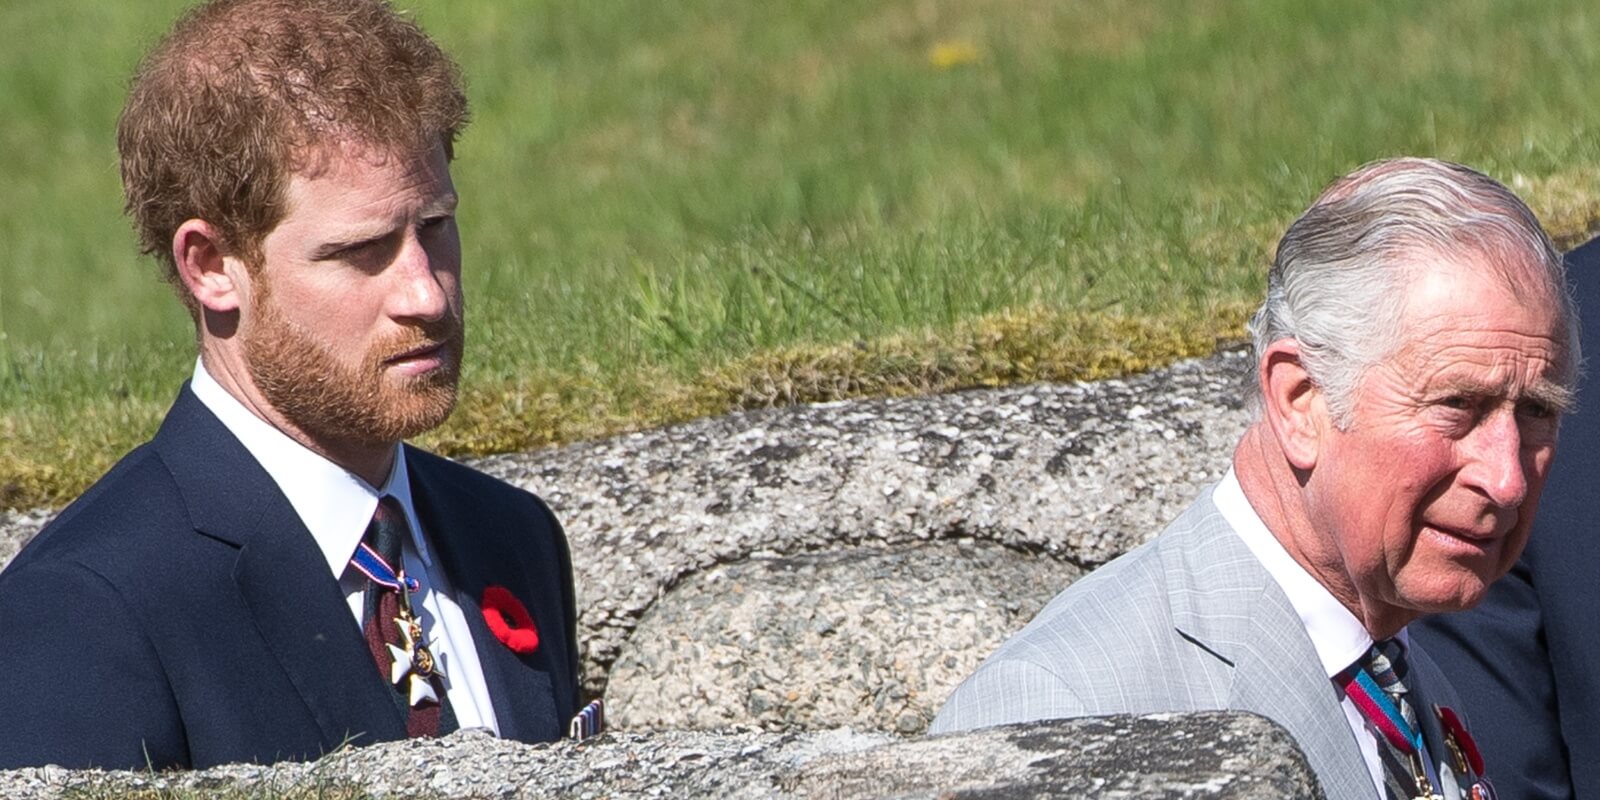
(672, 209)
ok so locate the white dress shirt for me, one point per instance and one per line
(1339, 638)
(336, 506)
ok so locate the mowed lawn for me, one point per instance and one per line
(674, 209)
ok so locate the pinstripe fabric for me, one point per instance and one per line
(1189, 621)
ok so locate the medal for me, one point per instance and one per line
(589, 722)
(413, 665)
(1457, 758)
(413, 661)
(1462, 746)
(1419, 774)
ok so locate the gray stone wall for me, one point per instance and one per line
(1182, 756)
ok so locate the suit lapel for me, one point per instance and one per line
(475, 555)
(303, 618)
(1304, 700)
(1225, 601)
(282, 578)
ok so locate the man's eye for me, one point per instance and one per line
(347, 252)
(434, 222)
(1457, 402)
(1536, 410)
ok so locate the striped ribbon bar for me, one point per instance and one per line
(373, 566)
(1381, 711)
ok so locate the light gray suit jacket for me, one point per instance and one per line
(1190, 621)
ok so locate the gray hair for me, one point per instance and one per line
(1340, 276)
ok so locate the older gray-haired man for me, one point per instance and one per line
(1413, 356)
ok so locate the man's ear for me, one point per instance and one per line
(215, 279)
(1293, 405)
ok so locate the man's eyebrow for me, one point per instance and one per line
(1554, 396)
(444, 204)
(355, 239)
(1558, 398)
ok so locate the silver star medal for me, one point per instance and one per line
(413, 661)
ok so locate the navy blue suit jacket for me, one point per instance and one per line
(1526, 661)
(180, 614)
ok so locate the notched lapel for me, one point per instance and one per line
(1212, 582)
(519, 689)
(303, 618)
(282, 578)
(1224, 601)
(1302, 700)
(1430, 689)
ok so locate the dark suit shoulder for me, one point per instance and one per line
(489, 494)
(133, 531)
(459, 474)
(84, 673)
(117, 519)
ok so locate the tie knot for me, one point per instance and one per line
(387, 530)
(1386, 661)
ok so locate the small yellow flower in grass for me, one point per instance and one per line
(953, 53)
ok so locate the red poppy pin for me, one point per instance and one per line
(1456, 734)
(509, 620)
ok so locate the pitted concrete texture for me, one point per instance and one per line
(1207, 755)
(1211, 755)
(1077, 473)
(869, 637)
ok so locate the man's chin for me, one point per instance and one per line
(393, 415)
(1458, 592)
(421, 411)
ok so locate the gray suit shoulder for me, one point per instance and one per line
(1105, 645)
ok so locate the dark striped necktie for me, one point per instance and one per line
(384, 623)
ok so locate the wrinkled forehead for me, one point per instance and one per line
(1509, 311)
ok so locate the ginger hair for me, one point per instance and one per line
(242, 94)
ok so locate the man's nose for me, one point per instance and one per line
(1496, 466)
(419, 293)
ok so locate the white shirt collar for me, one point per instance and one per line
(1338, 636)
(334, 504)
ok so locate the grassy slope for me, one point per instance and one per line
(674, 209)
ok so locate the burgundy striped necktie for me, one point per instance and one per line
(382, 625)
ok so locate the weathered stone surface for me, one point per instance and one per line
(1157, 756)
(17, 527)
(868, 637)
(1080, 473)
(1212, 755)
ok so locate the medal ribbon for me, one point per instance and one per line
(373, 566)
(1381, 711)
